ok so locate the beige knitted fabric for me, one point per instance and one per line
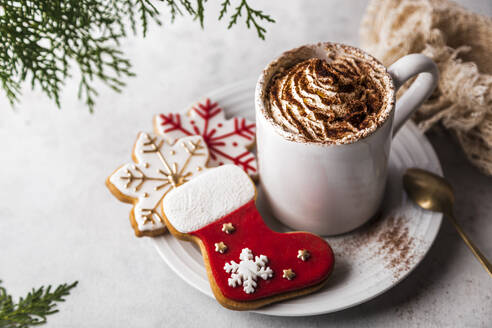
(460, 42)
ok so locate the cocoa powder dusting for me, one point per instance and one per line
(321, 100)
(387, 238)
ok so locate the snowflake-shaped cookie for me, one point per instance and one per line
(159, 166)
(247, 271)
(227, 140)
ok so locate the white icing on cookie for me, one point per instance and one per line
(209, 197)
(249, 269)
(158, 168)
(227, 140)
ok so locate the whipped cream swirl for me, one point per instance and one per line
(325, 101)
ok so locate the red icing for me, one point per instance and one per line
(215, 143)
(280, 248)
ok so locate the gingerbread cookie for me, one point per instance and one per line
(248, 265)
(158, 167)
(228, 141)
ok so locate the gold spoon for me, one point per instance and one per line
(433, 193)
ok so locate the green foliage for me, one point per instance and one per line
(253, 17)
(34, 308)
(42, 41)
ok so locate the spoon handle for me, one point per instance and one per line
(480, 257)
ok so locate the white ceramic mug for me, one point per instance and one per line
(334, 188)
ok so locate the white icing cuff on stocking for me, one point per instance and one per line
(207, 198)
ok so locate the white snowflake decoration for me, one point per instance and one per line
(158, 167)
(247, 271)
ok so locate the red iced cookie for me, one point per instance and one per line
(248, 264)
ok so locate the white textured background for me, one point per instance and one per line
(59, 223)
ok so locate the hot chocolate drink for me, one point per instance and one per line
(325, 119)
(339, 98)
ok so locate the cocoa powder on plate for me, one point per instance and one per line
(387, 238)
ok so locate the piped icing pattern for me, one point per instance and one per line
(158, 167)
(228, 140)
(249, 269)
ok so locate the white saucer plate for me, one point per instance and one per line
(370, 260)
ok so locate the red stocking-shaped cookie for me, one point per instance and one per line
(248, 264)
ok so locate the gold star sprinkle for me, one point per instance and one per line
(303, 254)
(289, 274)
(220, 247)
(228, 228)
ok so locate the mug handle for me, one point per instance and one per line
(404, 69)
